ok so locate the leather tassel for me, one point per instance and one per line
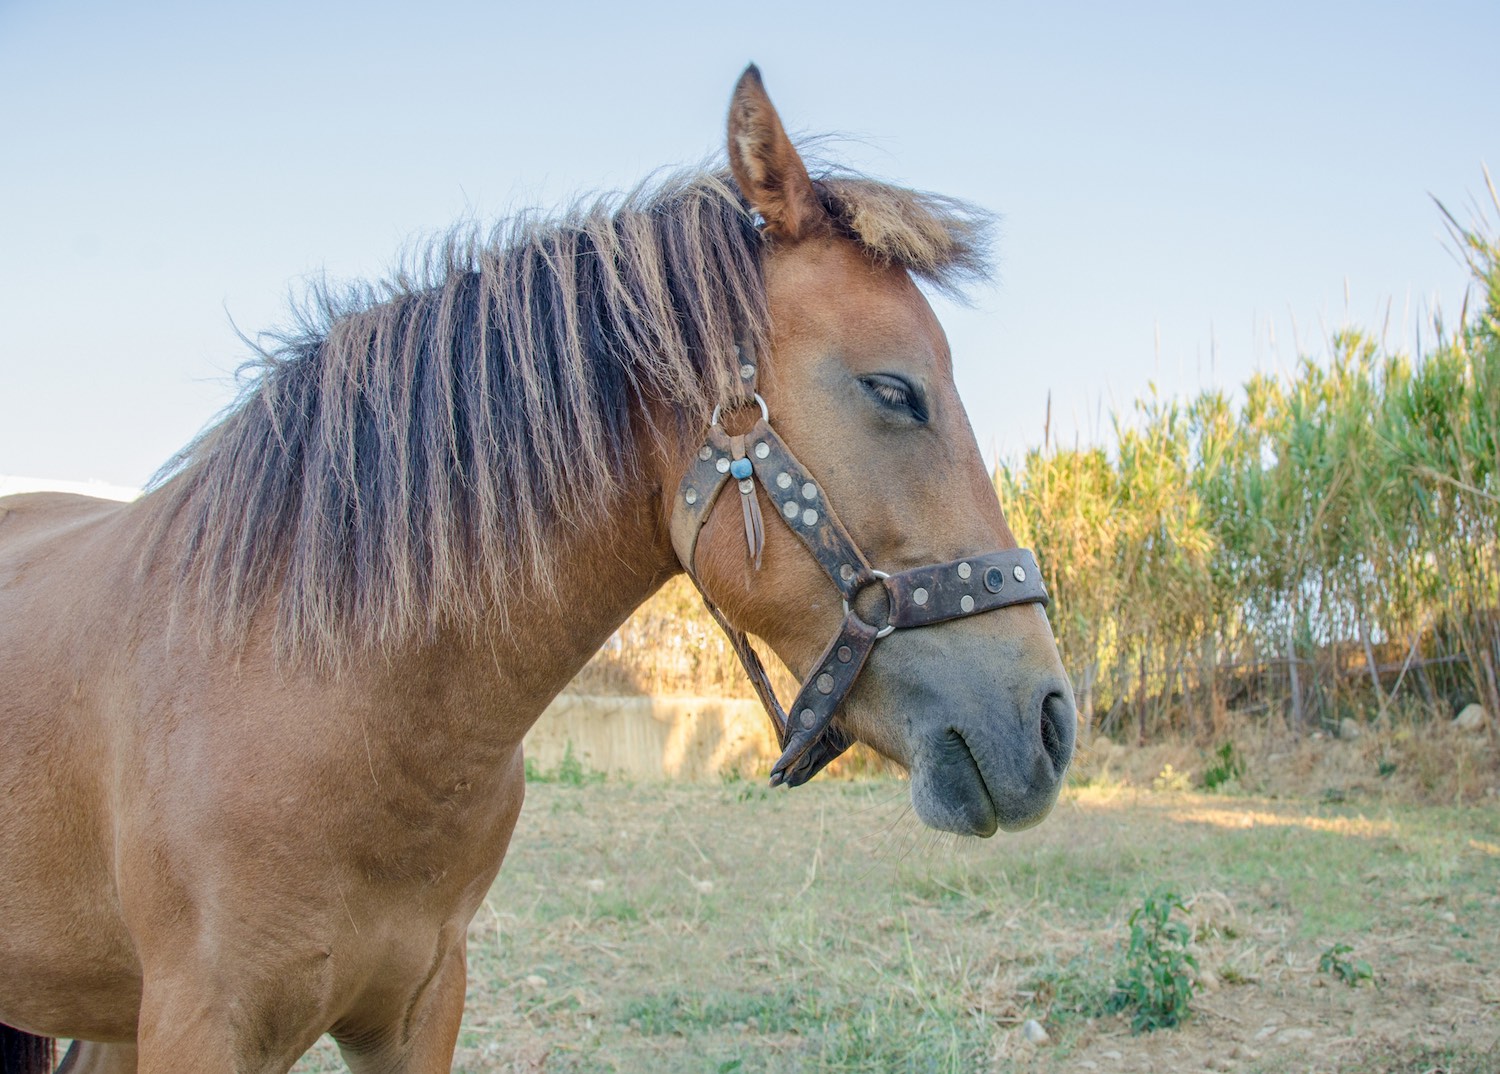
(755, 530)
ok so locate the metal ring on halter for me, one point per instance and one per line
(883, 631)
(765, 414)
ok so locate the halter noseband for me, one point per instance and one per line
(918, 597)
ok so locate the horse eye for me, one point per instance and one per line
(896, 394)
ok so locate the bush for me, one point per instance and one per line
(1157, 984)
(1229, 766)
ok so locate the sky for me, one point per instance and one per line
(1189, 192)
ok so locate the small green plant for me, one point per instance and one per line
(1229, 766)
(1157, 984)
(570, 771)
(1350, 971)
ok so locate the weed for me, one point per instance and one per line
(570, 771)
(1157, 985)
(1229, 766)
(1350, 971)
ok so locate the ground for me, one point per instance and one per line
(674, 928)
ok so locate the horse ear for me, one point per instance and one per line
(766, 166)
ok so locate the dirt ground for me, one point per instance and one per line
(668, 927)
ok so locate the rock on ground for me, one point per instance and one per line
(1472, 718)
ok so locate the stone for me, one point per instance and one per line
(1472, 718)
(1349, 728)
(1294, 1034)
(1032, 1030)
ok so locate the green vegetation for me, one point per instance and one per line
(1157, 985)
(1350, 971)
(1321, 545)
(570, 771)
(1228, 767)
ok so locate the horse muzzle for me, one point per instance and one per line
(988, 741)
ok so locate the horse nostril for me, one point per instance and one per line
(1057, 730)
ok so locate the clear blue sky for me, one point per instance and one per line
(1202, 174)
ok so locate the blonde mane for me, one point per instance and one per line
(400, 461)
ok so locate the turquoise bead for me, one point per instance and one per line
(740, 468)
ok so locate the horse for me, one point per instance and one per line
(263, 726)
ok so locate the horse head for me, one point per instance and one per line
(857, 382)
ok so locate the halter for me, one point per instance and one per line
(918, 597)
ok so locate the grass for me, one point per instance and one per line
(676, 929)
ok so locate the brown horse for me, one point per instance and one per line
(262, 728)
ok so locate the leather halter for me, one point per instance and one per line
(918, 597)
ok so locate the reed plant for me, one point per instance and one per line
(1319, 548)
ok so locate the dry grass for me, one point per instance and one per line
(671, 647)
(1391, 762)
(671, 928)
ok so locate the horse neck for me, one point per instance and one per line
(504, 673)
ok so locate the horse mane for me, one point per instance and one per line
(399, 461)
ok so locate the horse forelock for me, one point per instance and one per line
(401, 459)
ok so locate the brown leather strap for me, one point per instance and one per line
(823, 692)
(800, 502)
(927, 595)
(834, 741)
(696, 494)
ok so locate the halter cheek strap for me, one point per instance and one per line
(918, 597)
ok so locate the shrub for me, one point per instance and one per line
(1157, 983)
(1229, 766)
